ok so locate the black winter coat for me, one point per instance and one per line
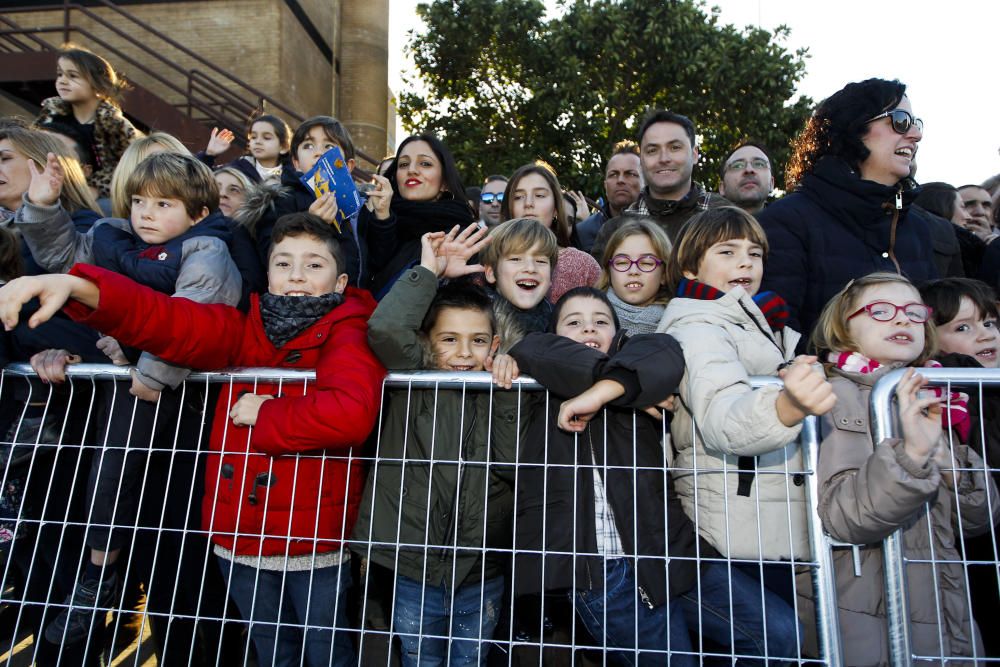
(836, 227)
(555, 491)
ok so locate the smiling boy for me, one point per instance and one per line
(442, 486)
(518, 265)
(279, 543)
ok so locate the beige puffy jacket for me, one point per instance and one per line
(866, 492)
(725, 342)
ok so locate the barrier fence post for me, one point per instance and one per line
(824, 584)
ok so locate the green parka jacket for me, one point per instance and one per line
(440, 494)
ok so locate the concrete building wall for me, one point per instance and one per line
(364, 72)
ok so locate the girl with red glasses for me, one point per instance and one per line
(926, 482)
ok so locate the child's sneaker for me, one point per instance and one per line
(73, 624)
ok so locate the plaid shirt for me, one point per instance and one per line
(703, 202)
(608, 541)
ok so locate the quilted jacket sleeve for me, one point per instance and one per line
(733, 418)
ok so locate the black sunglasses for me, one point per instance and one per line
(902, 120)
(488, 197)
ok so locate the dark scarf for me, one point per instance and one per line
(416, 218)
(774, 308)
(285, 317)
(514, 323)
(662, 208)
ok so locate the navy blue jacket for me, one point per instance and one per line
(836, 227)
(295, 198)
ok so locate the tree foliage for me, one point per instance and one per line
(505, 86)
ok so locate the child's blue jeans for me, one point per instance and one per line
(617, 615)
(283, 639)
(425, 617)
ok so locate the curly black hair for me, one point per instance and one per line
(838, 125)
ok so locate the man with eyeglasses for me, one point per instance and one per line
(490, 199)
(746, 179)
(622, 183)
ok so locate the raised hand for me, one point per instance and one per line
(457, 248)
(380, 197)
(46, 184)
(325, 207)
(920, 417)
(219, 142)
(52, 291)
(582, 209)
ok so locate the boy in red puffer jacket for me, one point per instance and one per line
(283, 478)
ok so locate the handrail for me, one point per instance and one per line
(67, 28)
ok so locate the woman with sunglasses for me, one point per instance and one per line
(849, 212)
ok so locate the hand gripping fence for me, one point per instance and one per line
(175, 602)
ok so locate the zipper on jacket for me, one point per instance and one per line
(892, 229)
(643, 595)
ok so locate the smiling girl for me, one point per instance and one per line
(926, 483)
(90, 99)
(634, 273)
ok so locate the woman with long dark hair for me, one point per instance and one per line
(421, 192)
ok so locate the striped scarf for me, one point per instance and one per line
(773, 307)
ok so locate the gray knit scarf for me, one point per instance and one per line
(637, 319)
(285, 317)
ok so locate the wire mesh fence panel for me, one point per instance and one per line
(942, 589)
(466, 527)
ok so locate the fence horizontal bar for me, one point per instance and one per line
(394, 380)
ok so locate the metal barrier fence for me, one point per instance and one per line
(946, 635)
(168, 522)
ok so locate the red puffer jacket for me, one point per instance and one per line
(291, 484)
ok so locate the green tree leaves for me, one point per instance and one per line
(504, 86)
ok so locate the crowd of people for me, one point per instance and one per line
(657, 494)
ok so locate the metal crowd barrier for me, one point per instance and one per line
(175, 599)
(981, 601)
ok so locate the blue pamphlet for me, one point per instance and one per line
(330, 174)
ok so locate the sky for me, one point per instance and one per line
(945, 52)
